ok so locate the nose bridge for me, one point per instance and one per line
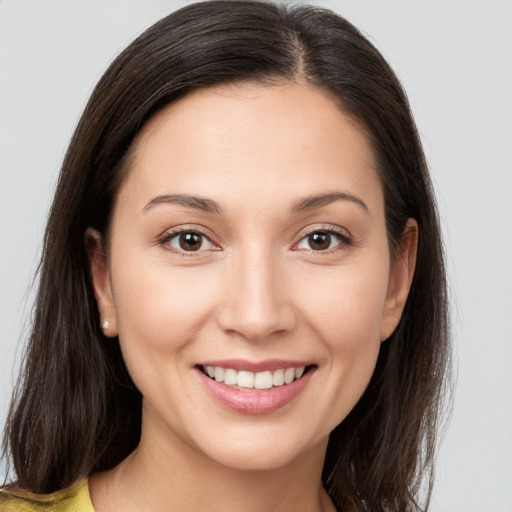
(255, 300)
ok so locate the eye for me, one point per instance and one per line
(324, 240)
(188, 241)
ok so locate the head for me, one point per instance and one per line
(208, 56)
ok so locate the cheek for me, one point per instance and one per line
(346, 319)
(159, 312)
(348, 306)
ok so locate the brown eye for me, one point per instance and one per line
(188, 241)
(324, 240)
(319, 241)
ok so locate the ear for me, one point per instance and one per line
(400, 279)
(101, 281)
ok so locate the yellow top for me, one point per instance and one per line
(73, 499)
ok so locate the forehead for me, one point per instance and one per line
(282, 140)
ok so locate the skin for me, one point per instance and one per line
(256, 289)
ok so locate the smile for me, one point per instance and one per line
(244, 379)
(255, 392)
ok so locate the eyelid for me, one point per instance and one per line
(167, 236)
(343, 235)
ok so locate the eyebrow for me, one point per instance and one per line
(198, 203)
(301, 205)
(318, 200)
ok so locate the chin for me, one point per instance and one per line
(263, 451)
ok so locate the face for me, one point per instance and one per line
(248, 273)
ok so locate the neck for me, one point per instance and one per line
(165, 473)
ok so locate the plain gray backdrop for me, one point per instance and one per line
(455, 61)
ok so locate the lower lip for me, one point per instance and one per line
(255, 402)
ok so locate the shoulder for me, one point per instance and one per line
(73, 499)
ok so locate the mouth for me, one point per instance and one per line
(248, 380)
(272, 386)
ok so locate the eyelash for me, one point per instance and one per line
(344, 240)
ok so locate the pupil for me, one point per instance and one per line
(320, 240)
(190, 241)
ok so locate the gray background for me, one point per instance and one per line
(455, 60)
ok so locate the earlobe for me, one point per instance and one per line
(400, 279)
(101, 281)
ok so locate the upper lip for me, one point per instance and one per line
(256, 366)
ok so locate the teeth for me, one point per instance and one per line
(263, 380)
(278, 378)
(230, 377)
(289, 375)
(245, 379)
(251, 380)
(219, 374)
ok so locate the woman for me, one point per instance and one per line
(242, 293)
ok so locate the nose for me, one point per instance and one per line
(256, 300)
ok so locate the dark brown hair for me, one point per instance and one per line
(75, 409)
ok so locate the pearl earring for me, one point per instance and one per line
(104, 325)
